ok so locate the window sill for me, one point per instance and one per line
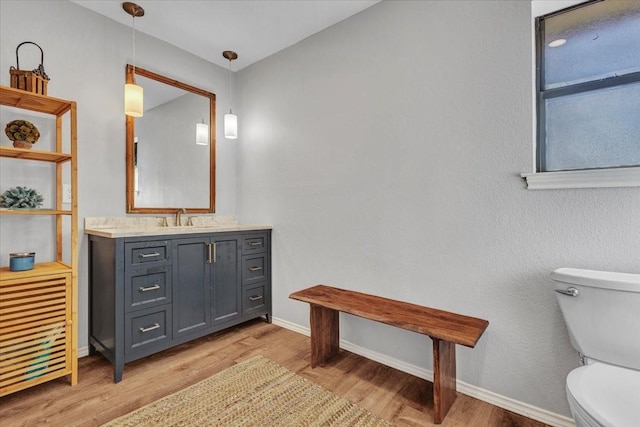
(595, 178)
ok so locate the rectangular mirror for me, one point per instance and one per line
(171, 148)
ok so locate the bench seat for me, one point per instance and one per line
(446, 329)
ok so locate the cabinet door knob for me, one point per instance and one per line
(150, 328)
(255, 268)
(150, 288)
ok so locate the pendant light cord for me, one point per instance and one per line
(230, 89)
(133, 38)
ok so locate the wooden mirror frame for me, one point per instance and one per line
(130, 132)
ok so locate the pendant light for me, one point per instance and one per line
(202, 133)
(230, 119)
(133, 94)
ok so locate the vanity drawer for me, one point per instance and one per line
(149, 287)
(254, 268)
(147, 331)
(255, 299)
(147, 254)
(254, 243)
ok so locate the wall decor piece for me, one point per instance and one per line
(23, 133)
(21, 198)
(32, 81)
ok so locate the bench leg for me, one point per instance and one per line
(444, 378)
(325, 334)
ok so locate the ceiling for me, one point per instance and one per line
(255, 29)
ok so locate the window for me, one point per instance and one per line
(588, 90)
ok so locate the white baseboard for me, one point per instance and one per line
(495, 399)
(83, 351)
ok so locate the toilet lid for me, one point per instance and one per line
(609, 394)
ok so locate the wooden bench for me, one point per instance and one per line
(446, 329)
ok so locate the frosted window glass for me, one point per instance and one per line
(594, 129)
(602, 40)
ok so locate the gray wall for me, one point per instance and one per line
(85, 56)
(386, 152)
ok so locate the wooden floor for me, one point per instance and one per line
(400, 398)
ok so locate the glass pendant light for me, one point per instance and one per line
(133, 94)
(230, 119)
(202, 133)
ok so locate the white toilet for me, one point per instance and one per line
(602, 312)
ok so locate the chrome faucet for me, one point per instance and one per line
(178, 219)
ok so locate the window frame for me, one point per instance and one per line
(620, 176)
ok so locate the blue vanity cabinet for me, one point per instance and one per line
(147, 294)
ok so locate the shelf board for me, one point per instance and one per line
(27, 154)
(31, 101)
(39, 269)
(11, 211)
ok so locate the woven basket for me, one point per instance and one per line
(32, 81)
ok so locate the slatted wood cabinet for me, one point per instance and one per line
(38, 307)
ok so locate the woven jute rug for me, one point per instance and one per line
(256, 392)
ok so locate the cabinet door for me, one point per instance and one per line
(226, 292)
(191, 286)
(35, 330)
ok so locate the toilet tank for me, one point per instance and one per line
(603, 319)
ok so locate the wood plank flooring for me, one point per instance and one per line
(400, 398)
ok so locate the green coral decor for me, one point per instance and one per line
(21, 197)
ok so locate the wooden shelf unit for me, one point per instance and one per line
(38, 307)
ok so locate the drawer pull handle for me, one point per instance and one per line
(255, 268)
(150, 288)
(150, 328)
(258, 298)
(255, 244)
(149, 255)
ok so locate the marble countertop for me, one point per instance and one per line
(115, 227)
